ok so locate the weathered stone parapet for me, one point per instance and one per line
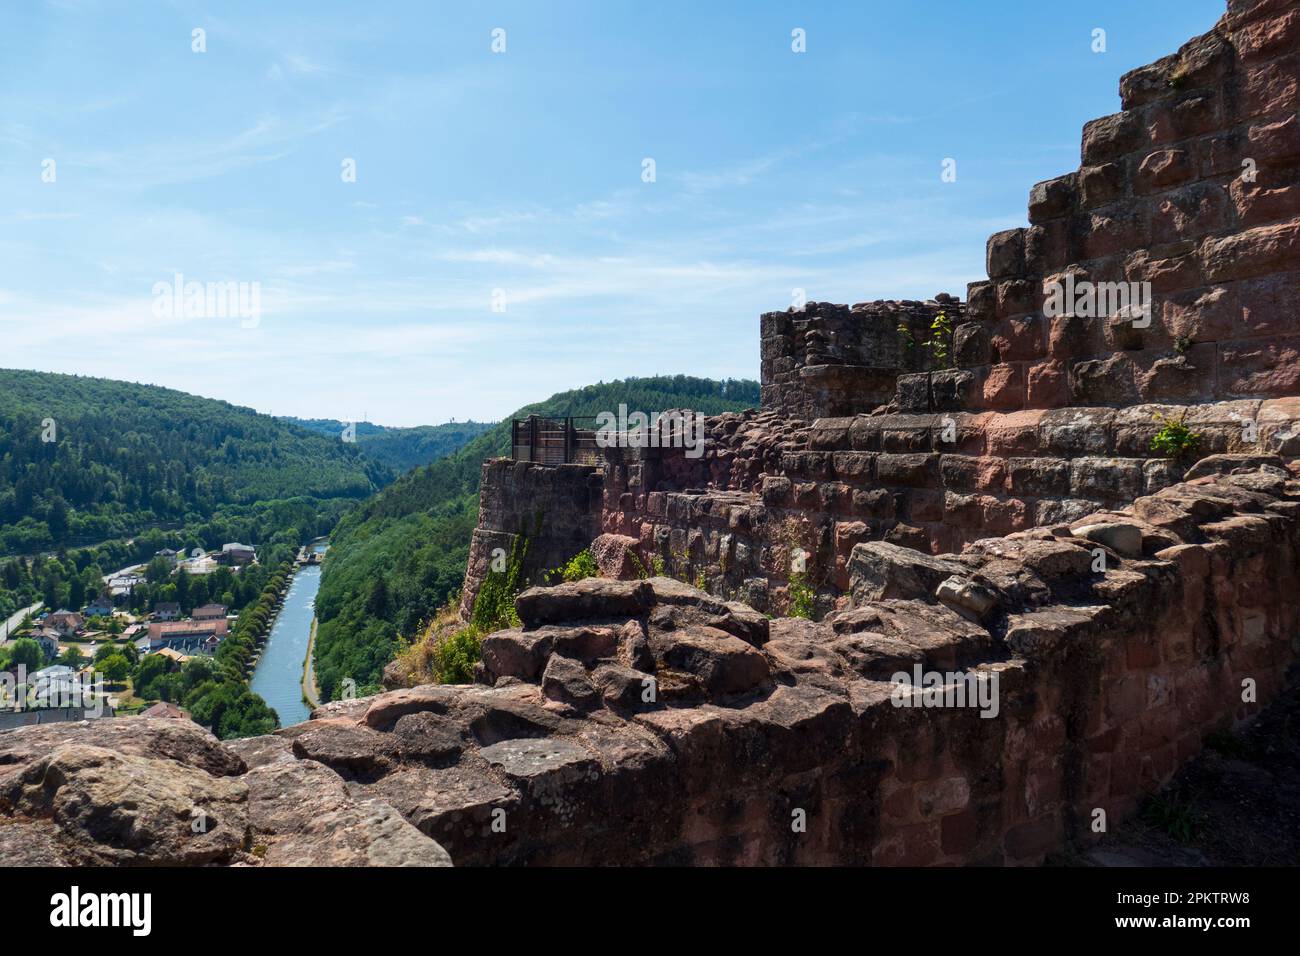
(1074, 669)
(825, 360)
(1194, 189)
(556, 508)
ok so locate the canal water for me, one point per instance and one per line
(278, 677)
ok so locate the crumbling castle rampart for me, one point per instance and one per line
(989, 516)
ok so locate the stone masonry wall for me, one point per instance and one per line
(557, 509)
(1193, 187)
(764, 741)
(828, 360)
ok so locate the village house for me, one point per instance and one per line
(48, 638)
(166, 611)
(174, 657)
(166, 709)
(168, 555)
(100, 607)
(191, 637)
(209, 612)
(66, 623)
(235, 553)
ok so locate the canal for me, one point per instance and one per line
(278, 677)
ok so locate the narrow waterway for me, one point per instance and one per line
(278, 677)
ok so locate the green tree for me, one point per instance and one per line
(115, 668)
(27, 652)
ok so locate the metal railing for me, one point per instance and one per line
(555, 441)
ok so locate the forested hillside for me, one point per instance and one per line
(87, 460)
(396, 558)
(401, 449)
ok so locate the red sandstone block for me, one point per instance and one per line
(1271, 145)
(1220, 154)
(1191, 212)
(1018, 339)
(1051, 198)
(1038, 477)
(1189, 115)
(1167, 274)
(963, 511)
(1047, 385)
(1201, 315)
(1111, 381)
(1016, 297)
(915, 471)
(946, 795)
(917, 437)
(981, 301)
(1162, 169)
(1110, 137)
(1004, 387)
(1267, 37)
(1099, 185)
(923, 505)
(1258, 204)
(1047, 247)
(1014, 433)
(1115, 229)
(972, 346)
(1260, 369)
(1147, 83)
(973, 473)
(1270, 87)
(1006, 254)
(1180, 378)
(1007, 515)
(1258, 251)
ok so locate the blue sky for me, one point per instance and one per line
(518, 171)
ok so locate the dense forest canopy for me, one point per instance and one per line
(87, 460)
(398, 556)
(401, 449)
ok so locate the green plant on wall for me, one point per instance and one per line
(940, 343)
(803, 598)
(582, 565)
(906, 341)
(494, 608)
(1175, 439)
(454, 658)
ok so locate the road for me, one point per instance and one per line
(17, 619)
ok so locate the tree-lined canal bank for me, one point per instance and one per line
(279, 674)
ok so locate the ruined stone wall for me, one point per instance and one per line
(1043, 417)
(1108, 681)
(765, 741)
(557, 509)
(828, 360)
(1194, 187)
